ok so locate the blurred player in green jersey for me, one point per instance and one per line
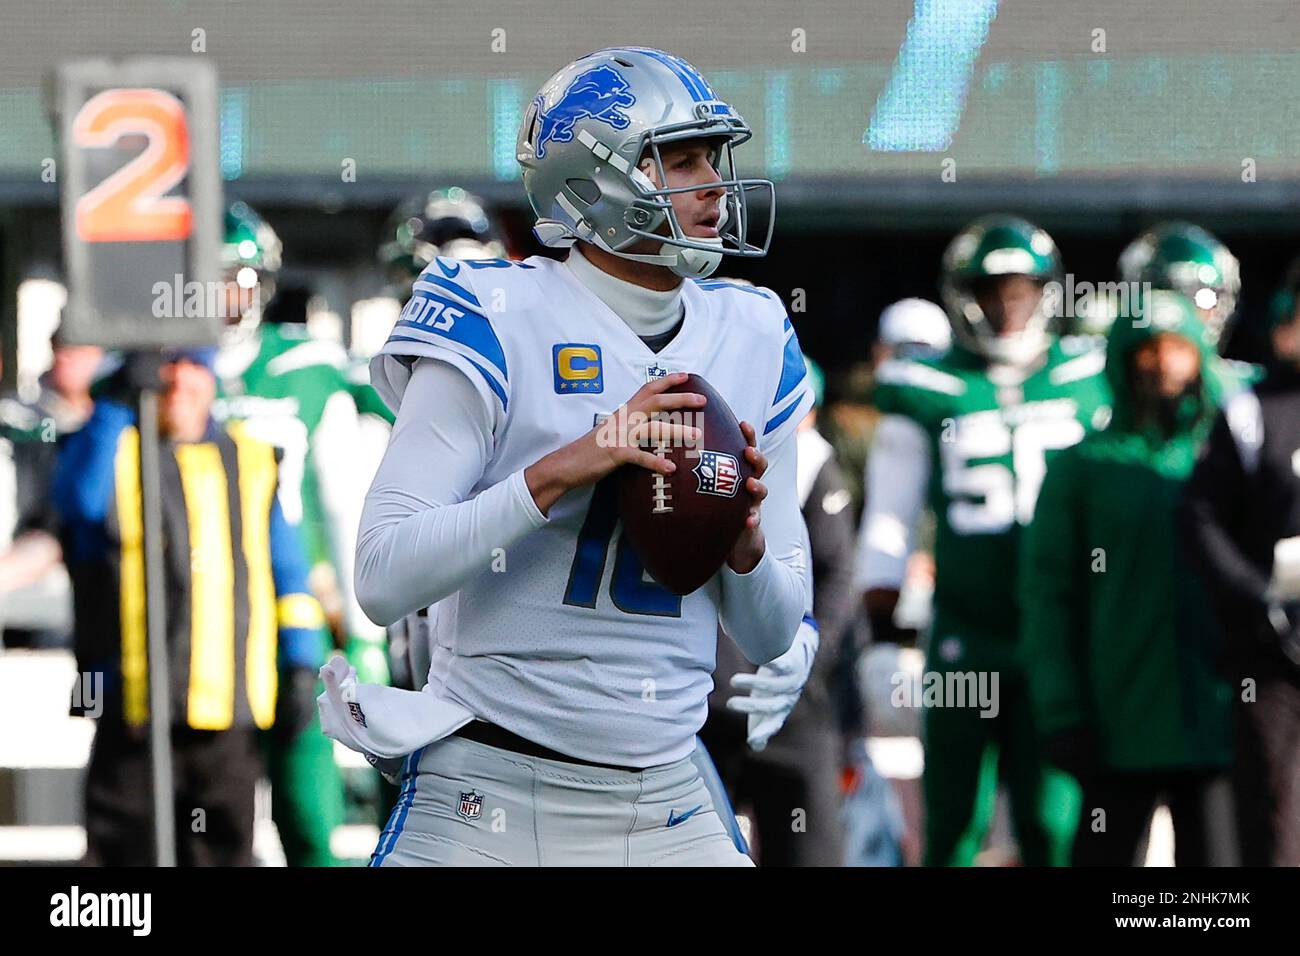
(970, 433)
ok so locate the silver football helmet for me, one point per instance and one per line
(585, 136)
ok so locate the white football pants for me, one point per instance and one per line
(467, 804)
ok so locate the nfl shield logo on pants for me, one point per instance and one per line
(471, 805)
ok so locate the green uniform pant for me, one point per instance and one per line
(306, 794)
(966, 754)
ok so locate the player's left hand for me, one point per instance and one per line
(775, 689)
(750, 545)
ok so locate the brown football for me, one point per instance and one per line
(683, 525)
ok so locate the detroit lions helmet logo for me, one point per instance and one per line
(599, 93)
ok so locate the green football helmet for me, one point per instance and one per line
(250, 257)
(447, 222)
(992, 246)
(1187, 259)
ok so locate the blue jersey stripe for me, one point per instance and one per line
(793, 369)
(492, 383)
(714, 285)
(487, 376)
(776, 422)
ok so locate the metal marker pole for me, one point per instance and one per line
(145, 376)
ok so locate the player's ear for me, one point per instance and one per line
(648, 166)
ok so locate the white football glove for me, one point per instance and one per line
(1285, 584)
(775, 689)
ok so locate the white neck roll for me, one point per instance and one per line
(646, 311)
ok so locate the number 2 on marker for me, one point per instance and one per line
(129, 205)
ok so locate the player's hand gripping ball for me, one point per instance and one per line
(684, 525)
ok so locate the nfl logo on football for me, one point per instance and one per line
(471, 805)
(718, 474)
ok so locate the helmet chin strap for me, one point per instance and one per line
(694, 263)
(687, 263)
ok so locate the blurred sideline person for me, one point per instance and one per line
(66, 388)
(30, 434)
(909, 329)
(28, 549)
(1119, 640)
(291, 391)
(238, 617)
(1284, 323)
(974, 429)
(790, 782)
(1242, 521)
(913, 326)
(1185, 258)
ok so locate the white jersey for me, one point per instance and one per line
(562, 638)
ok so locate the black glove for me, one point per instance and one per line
(1076, 751)
(295, 708)
(885, 631)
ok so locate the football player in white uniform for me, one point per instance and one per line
(559, 719)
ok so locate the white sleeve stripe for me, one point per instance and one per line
(902, 372)
(1085, 366)
(306, 355)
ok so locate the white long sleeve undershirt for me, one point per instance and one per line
(761, 610)
(422, 537)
